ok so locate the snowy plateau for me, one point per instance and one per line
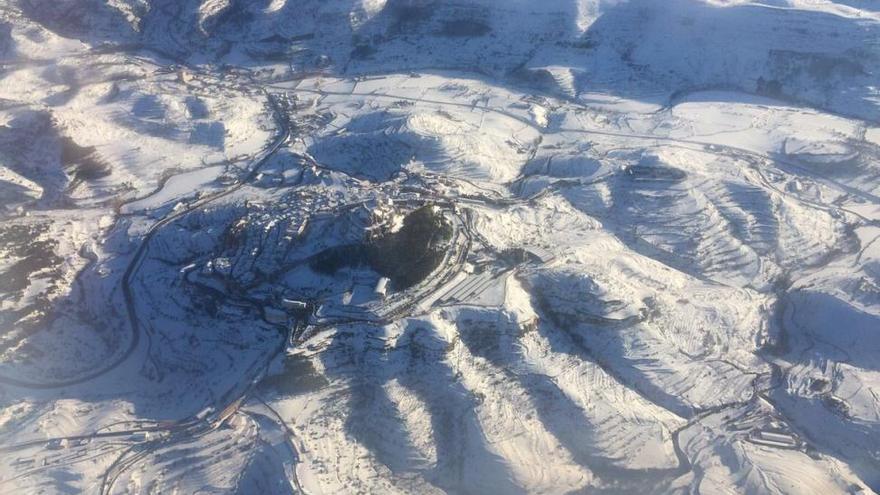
(430, 246)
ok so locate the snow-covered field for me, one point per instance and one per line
(333, 246)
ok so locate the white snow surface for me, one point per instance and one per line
(627, 246)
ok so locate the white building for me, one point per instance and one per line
(294, 305)
(381, 289)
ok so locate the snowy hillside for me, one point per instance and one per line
(426, 246)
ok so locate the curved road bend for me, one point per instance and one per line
(141, 251)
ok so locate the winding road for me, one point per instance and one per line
(195, 427)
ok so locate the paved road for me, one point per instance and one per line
(140, 254)
(194, 428)
(722, 149)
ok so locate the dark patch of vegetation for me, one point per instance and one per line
(234, 17)
(788, 65)
(465, 28)
(412, 253)
(84, 161)
(836, 405)
(407, 17)
(517, 256)
(537, 78)
(819, 385)
(332, 259)
(299, 377)
(411, 13)
(822, 67)
(652, 173)
(770, 88)
(585, 43)
(303, 37)
(363, 51)
(275, 38)
(406, 256)
(196, 107)
(72, 152)
(553, 313)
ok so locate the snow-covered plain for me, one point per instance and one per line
(369, 246)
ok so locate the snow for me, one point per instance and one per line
(662, 270)
(872, 135)
(178, 187)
